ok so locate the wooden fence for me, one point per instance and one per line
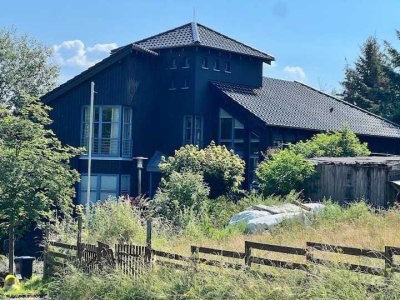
(132, 259)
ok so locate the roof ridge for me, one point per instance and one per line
(162, 33)
(195, 33)
(236, 41)
(347, 103)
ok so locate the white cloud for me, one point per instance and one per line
(74, 53)
(295, 72)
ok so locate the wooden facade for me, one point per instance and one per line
(164, 84)
(347, 179)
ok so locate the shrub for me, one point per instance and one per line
(283, 172)
(222, 170)
(335, 144)
(179, 191)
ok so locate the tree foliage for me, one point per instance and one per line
(180, 191)
(222, 170)
(373, 83)
(335, 144)
(285, 171)
(35, 176)
(24, 69)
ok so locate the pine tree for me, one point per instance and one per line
(366, 84)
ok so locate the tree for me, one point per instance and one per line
(35, 176)
(366, 84)
(393, 73)
(222, 170)
(24, 69)
(336, 143)
(283, 172)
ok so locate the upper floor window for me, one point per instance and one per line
(108, 138)
(185, 85)
(186, 62)
(193, 130)
(216, 66)
(231, 133)
(204, 63)
(227, 66)
(173, 63)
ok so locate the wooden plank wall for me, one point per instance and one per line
(369, 183)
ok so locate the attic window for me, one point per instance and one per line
(186, 64)
(204, 63)
(216, 65)
(185, 85)
(173, 63)
(228, 67)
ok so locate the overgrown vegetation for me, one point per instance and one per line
(221, 169)
(285, 170)
(356, 225)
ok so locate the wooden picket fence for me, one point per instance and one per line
(133, 259)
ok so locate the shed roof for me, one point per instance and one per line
(293, 104)
(362, 160)
(195, 34)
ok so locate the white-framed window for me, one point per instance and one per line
(103, 186)
(112, 130)
(231, 133)
(173, 64)
(193, 130)
(216, 65)
(204, 62)
(185, 85)
(186, 63)
(127, 132)
(172, 85)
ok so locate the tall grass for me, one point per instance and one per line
(166, 283)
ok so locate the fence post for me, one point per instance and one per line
(195, 256)
(79, 239)
(247, 254)
(148, 241)
(46, 251)
(309, 255)
(388, 261)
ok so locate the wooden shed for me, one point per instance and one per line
(375, 179)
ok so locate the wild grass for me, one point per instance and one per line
(357, 225)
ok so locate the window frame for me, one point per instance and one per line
(230, 143)
(173, 65)
(228, 67)
(204, 63)
(194, 121)
(217, 65)
(186, 62)
(98, 190)
(96, 151)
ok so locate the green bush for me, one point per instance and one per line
(283, 172)
(179, 191)
(335, 144)
(223, 171)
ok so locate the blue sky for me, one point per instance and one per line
(311, 40)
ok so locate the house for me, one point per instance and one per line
(192, 85)
(375, 179)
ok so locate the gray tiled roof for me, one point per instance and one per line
(293, 104)
(197, 34)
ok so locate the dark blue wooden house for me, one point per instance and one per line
(193, 85)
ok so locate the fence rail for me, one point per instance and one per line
(133, 259)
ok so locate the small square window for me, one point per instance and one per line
(185, 85)
(216, 65)
(186, 63)
(228, 67)
(173, 63)
(204, 63)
